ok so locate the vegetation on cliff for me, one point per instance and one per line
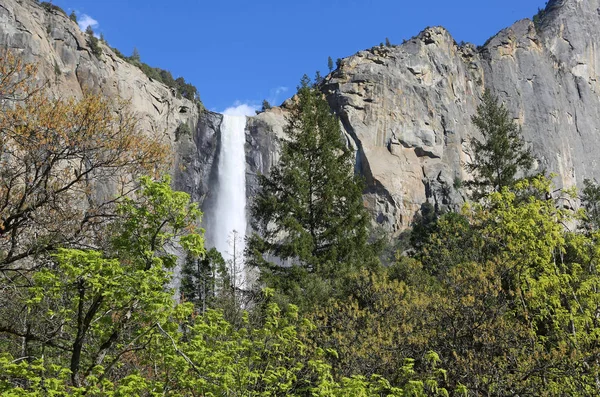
(86, 267)
(500, 298)
(179, 85)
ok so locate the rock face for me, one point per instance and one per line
(408, 108)
(66, 63)
(405, 109)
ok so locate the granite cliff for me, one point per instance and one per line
(405, 109)
(44, 35)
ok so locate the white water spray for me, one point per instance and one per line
(229, 228)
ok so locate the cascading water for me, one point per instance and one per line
(229, 214)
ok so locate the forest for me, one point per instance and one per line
(497, 298)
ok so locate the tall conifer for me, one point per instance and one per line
(501, 154)
(309, 212)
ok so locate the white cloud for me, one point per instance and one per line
(280, 90)
(241, 109)
(275, 93)
(85, 20)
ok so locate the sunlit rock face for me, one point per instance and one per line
(405, 109)
(408, 108)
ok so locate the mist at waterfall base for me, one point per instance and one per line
(227, 229)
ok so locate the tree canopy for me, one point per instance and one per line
(309, 213)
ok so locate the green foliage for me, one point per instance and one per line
(204, 278)
(93, 42)
(502, 292)
(73, 16)
(514, 294)
(457, 183)
(501, 154)
(590, 199)
(423, 224)
(318, 80)
(330, 64)
(265, 105)
(309, 212)
(135, 55)
(180, 86)
(182, 130)
(387, 42)
(338, 63)
(211, 358)
(539, 17)
(88, 311)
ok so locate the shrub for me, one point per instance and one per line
(537, 18)
(49, 7)
(182, 130)
(93, 42)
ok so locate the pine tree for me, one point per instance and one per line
(93, 42)
(309, 212)
(501, 154)
(135, 56)
(202, 279)
(590, 201)
(265, 105)
(73, 16)
(330, 64)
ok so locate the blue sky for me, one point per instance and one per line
(237, 51)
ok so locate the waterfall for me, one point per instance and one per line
(229, 214)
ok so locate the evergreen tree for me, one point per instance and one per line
(502, 152)
(265, 105)
(423, 225)
(73, 17)
(590, 200)
(329, 64)
(201, 279)
(309, 211)
(93, 42)
(387, 42)
(135, 56)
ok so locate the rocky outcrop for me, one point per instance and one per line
(405, 109)
(68, 65)
(408, 108)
